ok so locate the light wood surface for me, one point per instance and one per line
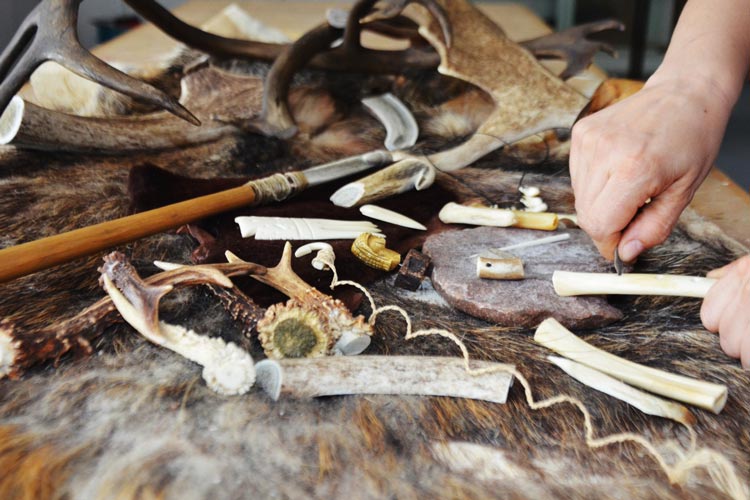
(719, 199)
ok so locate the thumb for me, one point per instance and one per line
(652, 225)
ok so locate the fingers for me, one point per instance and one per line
(726, 310)
(722, 271)
(653, 224)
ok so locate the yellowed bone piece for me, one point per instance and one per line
(505, 266)
(371, 250)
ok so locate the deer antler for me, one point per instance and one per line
(49, 33)
(573, 46)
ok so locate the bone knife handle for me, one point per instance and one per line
(570, 283)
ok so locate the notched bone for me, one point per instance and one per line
(295, 228)
(402, 375)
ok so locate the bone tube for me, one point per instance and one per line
(647, 403)
(404, 375)
(706, 395)
(504, 267)
(569, 283)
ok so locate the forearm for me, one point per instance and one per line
(711, 47)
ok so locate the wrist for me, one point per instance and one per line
(706, 87)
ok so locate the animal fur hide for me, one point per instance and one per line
(137, 421)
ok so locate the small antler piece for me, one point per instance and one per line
(227, 369)
(573, 46)
(311, 323)
(49, 33)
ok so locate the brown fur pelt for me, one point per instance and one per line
(137, 421)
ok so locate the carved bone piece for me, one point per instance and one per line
(293, 228)
(371, 249)
(706, 395)
(403, 375)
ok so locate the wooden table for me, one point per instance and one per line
(719, 199)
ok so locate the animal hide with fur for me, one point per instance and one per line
(136, 421)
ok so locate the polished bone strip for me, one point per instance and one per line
(569, 283)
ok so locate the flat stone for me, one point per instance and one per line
(527, 302)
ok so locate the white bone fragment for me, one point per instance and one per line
(292, 228)
(352, 343)
(647, 403)
(529, 191)
(227, 369)
(532, 243)
(504, 267)
(568, 283)
(707, 395)
(534, 204)
(325, 254)
(404, 375)
(401, 127)
(167, 266)
(453, 213)
(385, 215)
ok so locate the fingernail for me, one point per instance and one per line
(631, 250)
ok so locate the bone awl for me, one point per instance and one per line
(48, 252)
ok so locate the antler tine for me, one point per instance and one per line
(389, 9)
(277, 119)
(49, 33)
(572, 45)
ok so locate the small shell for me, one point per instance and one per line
(371, 250)
(530, 191)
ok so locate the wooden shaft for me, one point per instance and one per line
(41, 254)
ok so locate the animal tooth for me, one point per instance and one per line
(385, 215)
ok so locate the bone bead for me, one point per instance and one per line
(505, 266)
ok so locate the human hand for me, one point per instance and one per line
(726, 308)
(658, 144)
